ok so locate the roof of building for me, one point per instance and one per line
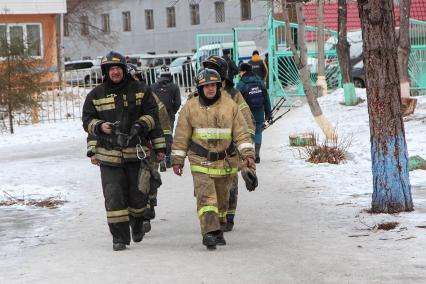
(418, 11)
(24, 7)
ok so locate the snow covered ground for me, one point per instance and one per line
(305, 223)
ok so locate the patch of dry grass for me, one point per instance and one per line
(49, 202)
(332, 151)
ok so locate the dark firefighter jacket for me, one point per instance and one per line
(164, 123)
(168, 93)
(135, 104)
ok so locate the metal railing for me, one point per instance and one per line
(64, 102)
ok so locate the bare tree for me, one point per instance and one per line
(80, 21)
(19, 77)
(404, 47)
(321, 81)
(391, 182)
(301, 63)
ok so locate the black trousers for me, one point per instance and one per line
(124, 203)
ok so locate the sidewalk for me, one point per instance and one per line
(304, 224)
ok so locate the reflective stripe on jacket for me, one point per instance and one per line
(214, 127)
(134, 104)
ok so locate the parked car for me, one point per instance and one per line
(358, 74)
(96, 72)
(176, 70)
(245, 50)
(78, 71)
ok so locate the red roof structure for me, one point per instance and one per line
(418, 11)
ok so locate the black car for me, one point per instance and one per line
(358, 75)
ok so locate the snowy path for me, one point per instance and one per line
(294, 229)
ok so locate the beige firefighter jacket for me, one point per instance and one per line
(245, 109)
(214, 127)
(163, 116)
(241, 102)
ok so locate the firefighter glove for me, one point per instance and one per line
(250, 178)
(137, 129)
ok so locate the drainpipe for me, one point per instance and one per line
(61, 56)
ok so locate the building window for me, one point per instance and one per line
(195, 14)
(22, 36)
(220, 11)
(17, 37)
(105, 23)
(149, 19)
(66, 27)
(171, 17)
(245, 10)
(3, 40)
(84, 24)
(33, 40)
(127, 27)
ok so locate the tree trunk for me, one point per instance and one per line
(391, 183)
(321, 81)
(343, 53)
(301, 63)
(404, 47)
(9, 112)
(8, 92)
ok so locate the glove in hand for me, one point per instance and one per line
(137, 130)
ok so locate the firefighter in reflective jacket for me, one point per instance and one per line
(208, 128)
(219, 64)
(123, 115)
(149, 212)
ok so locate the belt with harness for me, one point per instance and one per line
(212, 156)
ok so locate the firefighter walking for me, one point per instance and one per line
(208, 129)
(221, 66)
(123, 116)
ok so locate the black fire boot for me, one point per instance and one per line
(220, 240)
(209, 240)
(257, 150)
(138, 233)
(229, 223)
(163, 167)
(146, 225)
(118, 246)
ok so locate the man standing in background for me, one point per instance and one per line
(169, 94)
(232, 67)
(258, 66)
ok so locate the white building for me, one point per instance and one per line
(160, 26)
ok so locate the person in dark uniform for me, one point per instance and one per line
(169, 94)
(123, 116)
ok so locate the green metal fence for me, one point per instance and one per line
(417, 60)
(284, 74)
(284, 78)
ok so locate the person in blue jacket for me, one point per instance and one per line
(254, 92)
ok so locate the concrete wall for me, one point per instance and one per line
(162, 39)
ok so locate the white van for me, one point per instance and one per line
(245, 50)
(78, 71)
(145, 61)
